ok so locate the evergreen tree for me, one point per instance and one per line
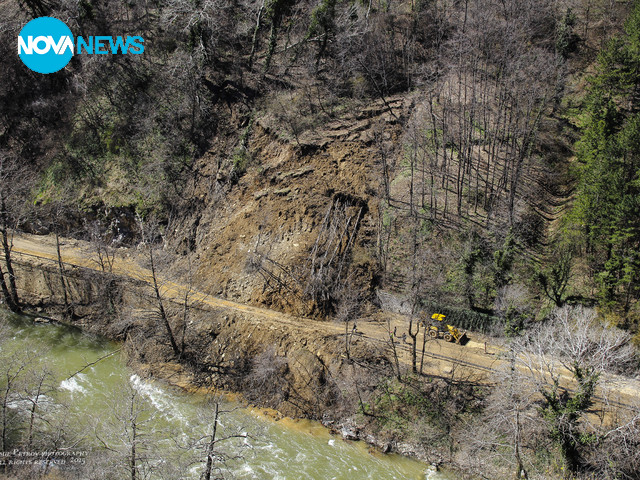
(608, 196)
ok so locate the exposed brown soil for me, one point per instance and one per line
(278, 204)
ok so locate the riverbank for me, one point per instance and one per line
(297, 367)
(266, 448)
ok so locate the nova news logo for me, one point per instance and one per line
(46, 45)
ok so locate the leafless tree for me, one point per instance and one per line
(616, 451)
(15, 182)
(39, 384)
(59, 221)
(210, 443)
(328, 264)
(513, 307)
(125, 432)
(104, 250)
(266, 378)
(507, 429)
(14, 369)
(186, 309)
(392, 336)
(575, 343)
(348, 305)
(150, 232)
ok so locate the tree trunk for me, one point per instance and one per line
(206, 475)
(5, 292)
(13, 290)
(67, 309)
(134, 438)
(414, 342)
(346, 339)
(34, 406)
(162, 311)
(425, 333)
(392, 339)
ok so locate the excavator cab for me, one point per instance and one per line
(449, 333)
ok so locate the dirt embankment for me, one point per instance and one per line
(250, 243)
(297, 366)
(221, 336)
(249, 329)
(224, 337)
(223, 340)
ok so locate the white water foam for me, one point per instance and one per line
(431, 475)
(158, 398)
(72, 384)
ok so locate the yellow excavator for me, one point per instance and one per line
(450, 333)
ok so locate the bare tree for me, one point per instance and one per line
(150, 233)
(576, 343)
(616, 451)
(509, 422)
(267, 380)
(210, 447)
(125, 432)
(58, 212)
(103, 249)
(40, 383)
(14, 368)
(15, 182)
(392, 336)
(349, 304)
(210, 442)
(189, 300)
(328, 263)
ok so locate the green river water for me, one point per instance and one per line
(284, 449)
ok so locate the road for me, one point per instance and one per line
(479, 358)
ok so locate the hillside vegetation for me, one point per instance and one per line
(335, 158)
(305, 150)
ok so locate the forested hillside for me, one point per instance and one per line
(340, 158)
(479, 156)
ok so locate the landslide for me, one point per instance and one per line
(254, 242)
(296, 365)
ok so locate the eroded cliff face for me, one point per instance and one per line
(292, 368)
(299, 206)
(302, 215)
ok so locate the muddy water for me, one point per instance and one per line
(265, 448)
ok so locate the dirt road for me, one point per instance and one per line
(479, 358)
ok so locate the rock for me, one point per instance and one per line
(349, 430)
(282, 192)
(327, 421)
(380, 444)
(260, 194)
(301, 172)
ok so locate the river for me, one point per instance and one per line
(172, 419)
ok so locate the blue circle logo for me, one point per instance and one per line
(45, 45)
